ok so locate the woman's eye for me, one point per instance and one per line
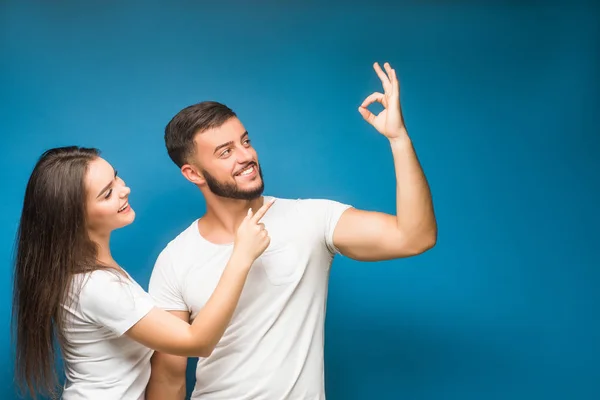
(108, 194)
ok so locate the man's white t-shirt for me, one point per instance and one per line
(273, 347)
(100, 361)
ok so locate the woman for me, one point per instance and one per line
(69, 288)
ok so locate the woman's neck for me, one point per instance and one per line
(104, 255)
(105, 258)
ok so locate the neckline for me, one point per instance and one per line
(222, 245)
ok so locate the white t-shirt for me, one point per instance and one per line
(273, 347)
(100, 362)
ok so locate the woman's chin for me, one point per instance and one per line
(127, 218)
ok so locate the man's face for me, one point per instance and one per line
(228, 162)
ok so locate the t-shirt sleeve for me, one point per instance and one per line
(326, 214)
(113, 301)
(163, 286)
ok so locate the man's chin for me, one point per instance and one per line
(241, 194)
(252, 194)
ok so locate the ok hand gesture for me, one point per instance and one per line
(388, 122)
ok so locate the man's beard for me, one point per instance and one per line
(231, 190)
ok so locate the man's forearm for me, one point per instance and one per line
(414, 206)
(160, 388)
(167, 379)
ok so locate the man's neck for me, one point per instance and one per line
(224, 216)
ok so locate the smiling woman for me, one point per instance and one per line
(107, 202)
(68, 285)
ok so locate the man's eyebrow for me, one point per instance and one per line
(219, 147)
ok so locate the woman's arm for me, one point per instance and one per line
(164, 332)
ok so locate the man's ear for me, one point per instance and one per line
(192, 174)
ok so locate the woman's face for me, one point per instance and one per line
(107, 199)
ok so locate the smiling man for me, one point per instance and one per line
(273, 347)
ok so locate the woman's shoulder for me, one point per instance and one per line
(102, 281)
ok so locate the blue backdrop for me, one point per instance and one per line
(502, 102)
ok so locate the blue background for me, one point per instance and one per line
(501, 99)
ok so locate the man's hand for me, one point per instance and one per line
(388, 122)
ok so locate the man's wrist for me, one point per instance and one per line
(401, 140)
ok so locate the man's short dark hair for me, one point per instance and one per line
(194, 119)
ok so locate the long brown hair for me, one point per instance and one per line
(52, 245)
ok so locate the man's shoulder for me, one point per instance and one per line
(186, 235)
(184, 240)
(308, 203)
(302, 201)
(287, 207)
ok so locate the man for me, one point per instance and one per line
(273, 347)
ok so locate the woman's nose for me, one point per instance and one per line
(125, 191)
